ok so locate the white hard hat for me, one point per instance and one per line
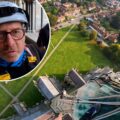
(9, 12)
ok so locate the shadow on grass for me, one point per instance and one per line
(31, 95)
(59, 77)
(8, 113)
(97, 57)
(66, 28)
(76, 39)
(75, 36)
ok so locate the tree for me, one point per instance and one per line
(107, 52)
(81, 26)
(54, 10)
(114, 47)
(64, 1)
(100, 2)
(52, 19)
(115, 22)
(118, 56)
(113, 53)
(84, 33)
(118, 37)
(93, 35)
(118, 14)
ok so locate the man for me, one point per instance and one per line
(16, 58)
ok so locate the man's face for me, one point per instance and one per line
(11, 49)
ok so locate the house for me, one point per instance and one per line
(102, 33)
(76, 11)
(68, 13)
(62, 10)
(112, 38)
(91, 6)
(112, 3)
(42, 1)
(67, 5)
(61, 19)
(57, 3)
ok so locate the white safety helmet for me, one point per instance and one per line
(9, 12)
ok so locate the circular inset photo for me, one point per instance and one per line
(24, 37)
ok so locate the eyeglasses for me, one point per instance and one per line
(7, 11)
(16, 34)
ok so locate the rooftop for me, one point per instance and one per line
(46, 87)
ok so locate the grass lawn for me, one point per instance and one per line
(31, 96)
(10, 112)
(74, 52)
(15, 86)
(4, 99)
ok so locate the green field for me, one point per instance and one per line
(74, 52)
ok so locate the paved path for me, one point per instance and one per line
(6, 91)
(43, 63)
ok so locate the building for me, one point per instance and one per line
(47, 88)
(19, 108)
(67, 5)
(67, 117)
(112, 37)
(61, 19)
(91, 6)
(46, 116)
(112, 3)
(40, 111)
(76, 78)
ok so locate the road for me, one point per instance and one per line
(76, 20)
(68, 23)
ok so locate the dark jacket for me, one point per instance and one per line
(26, 66)
(43, 38)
